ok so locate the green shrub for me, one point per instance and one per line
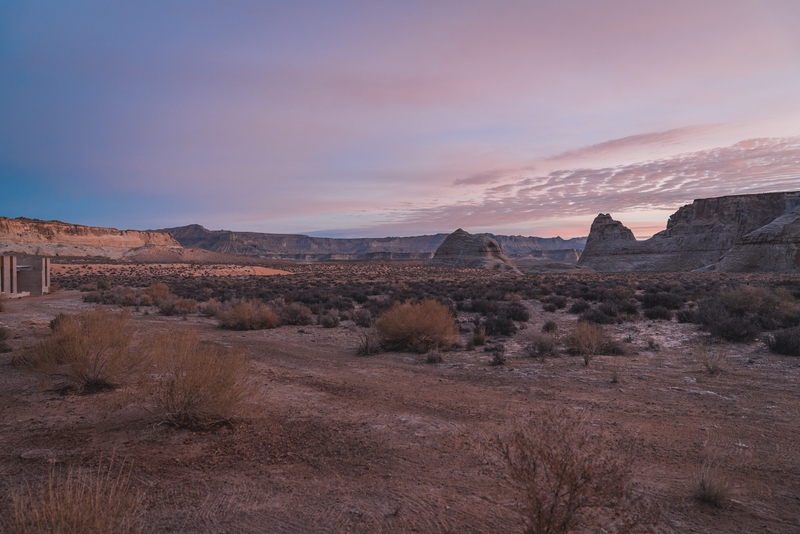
(418, 327)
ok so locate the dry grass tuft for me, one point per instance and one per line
(77, 504)
(89, 351)
(194, 384)
(418, 327)
(585, 340)
(712, 356)
(711, 487)
(247, 315)
(572, 478)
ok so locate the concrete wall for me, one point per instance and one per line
(21, 276)
(33, 275)
(8, 275)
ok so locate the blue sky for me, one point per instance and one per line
(394, 118)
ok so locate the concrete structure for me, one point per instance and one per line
(21, 276)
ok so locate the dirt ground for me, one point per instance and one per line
(333, 442)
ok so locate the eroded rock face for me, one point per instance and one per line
(773, 247)
(464, 251)
(697, 236)
(55, 238)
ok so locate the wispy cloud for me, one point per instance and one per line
(751, 166)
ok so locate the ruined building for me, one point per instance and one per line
(21, 276)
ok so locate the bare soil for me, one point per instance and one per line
(333, 442)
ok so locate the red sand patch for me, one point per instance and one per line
(181, 268)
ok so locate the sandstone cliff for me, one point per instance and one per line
(697, 237)
(464, 250)
(55, 238)
(773, 247)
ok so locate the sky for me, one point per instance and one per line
(389, 118)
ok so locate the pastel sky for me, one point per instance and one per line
(376, 118)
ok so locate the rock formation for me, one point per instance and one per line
(463, 250)
(698, 235)
(55, 238)
(773, 247)
(308, 248)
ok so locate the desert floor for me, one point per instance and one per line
(333, 442)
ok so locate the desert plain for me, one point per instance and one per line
(330, 441)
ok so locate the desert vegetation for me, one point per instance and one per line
(194, 384)
(572, 477)
(418, 327)
(242, 407)
(87, 352)
(76, 501)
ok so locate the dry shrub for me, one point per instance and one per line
(418, 327)
(785, 341)
(711, 487)
(585, 340)
(177, 306)
(362, 318)
(369, 343)
(434, 356)
(210, 308)
(756, 299)
(330, 319)
(78, 503)
(541, 345)
(89, 351)
(247, 315)
(296, 314)
(572, 477)
(3, 337)
(479, 337)
(158, 293)
(194, 384)
(712, 356)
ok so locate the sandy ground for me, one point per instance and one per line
(332, 442)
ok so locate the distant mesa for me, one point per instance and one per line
(56, 238)
(299, 247)
(467, 251)
(740, 233)
(194, 243)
